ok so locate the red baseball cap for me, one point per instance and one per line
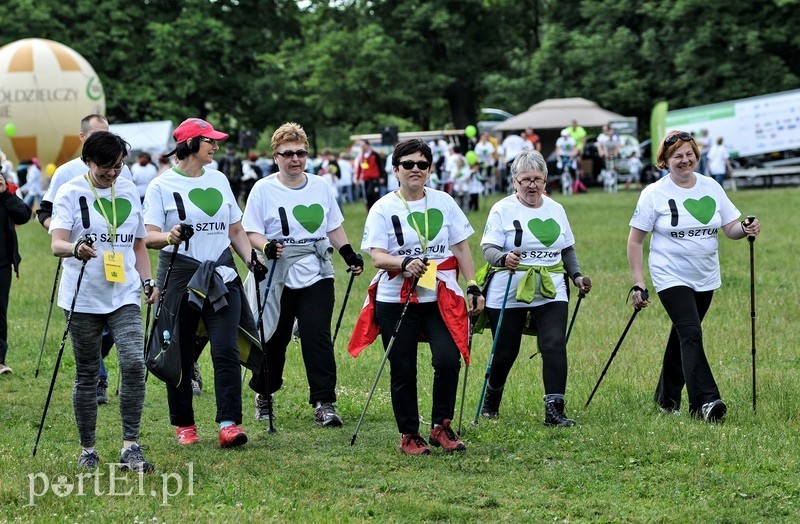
(194, 127)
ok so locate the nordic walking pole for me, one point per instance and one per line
(49, 313)
(494, 347)
(344, 303)
(466, 372)
(386, 354)
(751, 240)
(259, 273)
(581, 296)
(645, 296)
(88, 241)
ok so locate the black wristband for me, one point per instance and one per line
(271, 249)
(474, 290)
(503, 261)
(77, 246)
(346, 250)
(405, 263)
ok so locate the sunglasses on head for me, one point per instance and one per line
(301, 153)
(671, 139)
(409, 164)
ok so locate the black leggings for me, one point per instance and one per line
(550, 320)
(685, 360)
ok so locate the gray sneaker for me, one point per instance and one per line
(131, 459)
(88, 460)
(325, 415)
(262, 407)
(197, 380)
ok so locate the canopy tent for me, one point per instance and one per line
(151, 137)
(558, 113)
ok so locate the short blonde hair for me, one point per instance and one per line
(288, 132)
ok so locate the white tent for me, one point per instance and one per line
(558, 113)
(151, 137)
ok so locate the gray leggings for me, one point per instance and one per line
(86, 332)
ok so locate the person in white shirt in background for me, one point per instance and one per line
(143, 171)
(346, 179)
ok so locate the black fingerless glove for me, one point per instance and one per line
(271, 249)
(350, 257)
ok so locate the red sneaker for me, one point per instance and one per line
(443, 435)
(414, 445)
(232, 436)
(187, 435)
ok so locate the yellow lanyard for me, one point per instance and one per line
(423, 240)
(112, 226)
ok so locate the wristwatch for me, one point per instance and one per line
(149, 282)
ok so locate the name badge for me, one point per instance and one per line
(114, 266)
(428, 280)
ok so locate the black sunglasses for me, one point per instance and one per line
(421, 164)
(301, 153)
(671, 139)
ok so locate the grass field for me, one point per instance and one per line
(623, 462)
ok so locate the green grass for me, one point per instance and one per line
(623, 462)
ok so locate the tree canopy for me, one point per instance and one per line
(347, 66)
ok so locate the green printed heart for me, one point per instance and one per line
(702, 209)
(123, 209)
(546, 231)
(435, 221)
(310, 217)
(207, 200)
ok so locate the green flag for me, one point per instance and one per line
(658, 119)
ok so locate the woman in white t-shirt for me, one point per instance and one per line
(204, 283)
(105, 209)
(528, 234)
(403, 229)
(685, 213)
(294, 219)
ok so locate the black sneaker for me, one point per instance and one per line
(325, 415)
(263, 405)
(554, 414)
(714, 411)
(197, 380)
(491, 403)
(89, 459)
(131, 459)
(102, 395)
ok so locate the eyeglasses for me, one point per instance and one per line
(117, 167)
(207, 140)
(525, 182)
(301, 153)
(409, 164)
(671, 139)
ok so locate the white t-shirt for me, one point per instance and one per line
(485, 151)
(717, 157)
(76, 210)
(512, 146)
(685, 224)
(143, 175)
(388, 227)
(345, 172)
(66, 172)
(208, 204)
(566, 145)
(540, 234)
(294, 216)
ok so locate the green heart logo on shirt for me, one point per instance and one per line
(702, 209)
(435, 221)
(546, 231)
(207, 200)
(310, 217)
(123, 209)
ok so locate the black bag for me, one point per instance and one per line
(164, 351)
